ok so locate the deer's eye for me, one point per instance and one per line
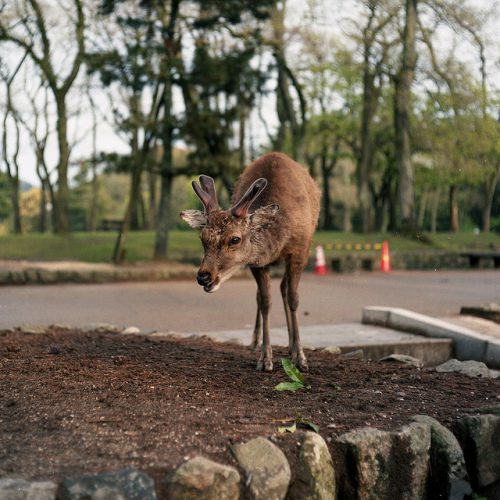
(235, 240)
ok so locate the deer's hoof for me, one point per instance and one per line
(265, 365)
(255, 347)
(300, 361)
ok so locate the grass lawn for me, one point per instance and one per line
(185, 245)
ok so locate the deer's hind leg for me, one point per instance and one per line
(257, 330)
(261, 275)
(284, 296)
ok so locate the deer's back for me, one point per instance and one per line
(290, 186)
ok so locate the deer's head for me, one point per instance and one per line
(231, 238)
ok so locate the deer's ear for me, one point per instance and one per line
(241, 208)
(264, 215)
(194, 218)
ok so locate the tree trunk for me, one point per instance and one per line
(16, 207)
(402, 102)
(152, 213)
(167, 176)
(42, 220)
(94, 196)
(167, 168)
(61, 208)
(454, 225)
(422, 208)
(490, 187)
(163, 224)
(325, 176)
(365, 161)
(434, 210)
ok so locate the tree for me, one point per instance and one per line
(291, 112)
(403, 80)
(32, 34)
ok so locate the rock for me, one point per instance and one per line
(480, 440)
(5, 277)
(47, 276)
(101, 328)
(20, 489)
(166, 335)
(33, 329)
(357, 354)
(473, 369)
(315, 475)
(17, 277)
(234, 341)
(332, 349)
(127, 484)
(385, 465)
(449, 474)
(367, 453)
(411, 446)
(266, 468)
(62, 326)
(403, 358)
(131, 330)
(200, 478)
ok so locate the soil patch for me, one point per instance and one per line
(73, 402)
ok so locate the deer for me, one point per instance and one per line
(274, 213)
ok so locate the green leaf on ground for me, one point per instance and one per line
(291, 428)
(292, 371)
(288, 386)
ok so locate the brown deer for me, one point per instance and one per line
(274, 214)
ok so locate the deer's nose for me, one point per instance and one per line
(204, 278)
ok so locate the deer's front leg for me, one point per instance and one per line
(261, 275)
(294, 272)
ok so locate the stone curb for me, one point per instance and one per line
(468, 344)
(368, 457)
(49, 274)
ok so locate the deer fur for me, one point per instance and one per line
(275, 209)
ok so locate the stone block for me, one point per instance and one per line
(127, 484)
(471, 368)
(366, 453)
(266, 468)
(385, 464)
(200, 478)
(315, 475)
(479, 436)
(20, 489)
(468, 344)
(493, 353)
(373, 315)
(411, 446)
(448, 478)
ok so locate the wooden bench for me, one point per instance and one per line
(111, 224)
(475, 257)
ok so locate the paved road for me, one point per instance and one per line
(184, 307)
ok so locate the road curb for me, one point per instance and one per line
(467, 343)
(23, 273)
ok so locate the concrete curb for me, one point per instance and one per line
(468, 344)
(48, 273)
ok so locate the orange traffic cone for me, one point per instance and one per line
(320, 261)
(385, 259)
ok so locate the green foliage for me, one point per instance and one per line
(299, 421)
(297, 379)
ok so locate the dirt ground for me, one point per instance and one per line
(73, 402)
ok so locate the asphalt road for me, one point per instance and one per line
(183, 306)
